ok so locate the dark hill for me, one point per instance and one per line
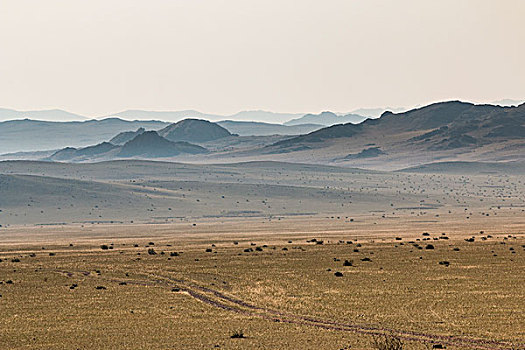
(366, 153)
(194, 130)
(126, 136)
(150, 144)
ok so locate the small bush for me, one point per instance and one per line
(387, 342)
(152, 251)
(238, 334)
(104, 247)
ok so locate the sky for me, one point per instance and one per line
(99, 57)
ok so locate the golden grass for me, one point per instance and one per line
(478, 296)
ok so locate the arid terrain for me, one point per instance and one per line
(272, 175)
(286, 255)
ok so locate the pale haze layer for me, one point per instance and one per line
(98, 57)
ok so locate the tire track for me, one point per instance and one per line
(225, 302)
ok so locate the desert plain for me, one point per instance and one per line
(260, 255)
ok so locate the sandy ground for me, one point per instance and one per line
(208, 281)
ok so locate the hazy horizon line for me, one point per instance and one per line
(504, 102)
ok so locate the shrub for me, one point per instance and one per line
(387, 342)
(104, 247)
(238, 334)
(152, 251)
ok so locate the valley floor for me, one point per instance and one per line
(186, 286)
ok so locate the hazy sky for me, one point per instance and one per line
(101, 56)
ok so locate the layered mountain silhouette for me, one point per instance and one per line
(264, 129)
(326, 119)
(34, 135)
(175, 116)
(440, 132)
(56, 115)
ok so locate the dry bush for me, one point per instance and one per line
(387, 342)
(238, 334)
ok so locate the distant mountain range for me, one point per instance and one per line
(440, 132)
(326, 119)
(376, 112)
(56, 115)
(33, 135)
(265, 129)
(508, 102)
(175, 116)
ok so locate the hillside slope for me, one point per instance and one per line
(194, 130)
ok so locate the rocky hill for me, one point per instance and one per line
(194, 130)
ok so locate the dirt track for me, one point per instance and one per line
(220, 300)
